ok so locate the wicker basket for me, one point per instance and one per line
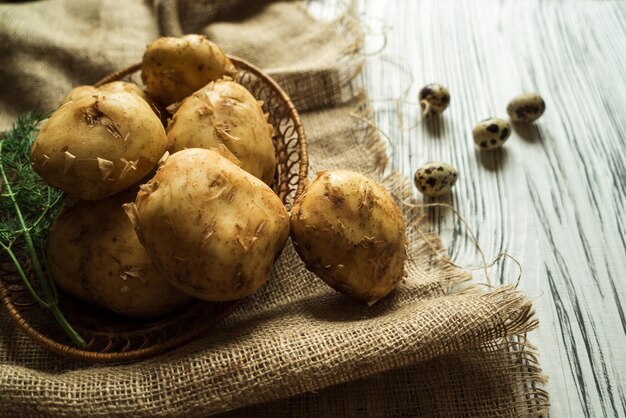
(113, 338)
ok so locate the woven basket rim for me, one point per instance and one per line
(143, 353)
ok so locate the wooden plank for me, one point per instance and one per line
(555, 196)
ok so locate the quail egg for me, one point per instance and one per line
(435, 178)
(526, 108)
(491, 133)
(434, 99)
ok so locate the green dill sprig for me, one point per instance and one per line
(27, 208)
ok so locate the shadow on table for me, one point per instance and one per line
(435, 126)
(527, 131)
(492, 160)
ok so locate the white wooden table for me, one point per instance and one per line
(555, 196)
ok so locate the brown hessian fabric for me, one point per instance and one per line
(438, 346)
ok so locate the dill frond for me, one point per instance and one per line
(28, 207)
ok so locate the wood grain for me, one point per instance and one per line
(555, 195)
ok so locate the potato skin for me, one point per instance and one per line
(98, 145)
(78, 92)
(114, 87)
(349, 232)
(224, 112)
(126, 87)
(173, 68)
(94, 255)
(211, 228)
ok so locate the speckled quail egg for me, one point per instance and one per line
(526, 108)
(434, 99)
(435, 178)
(491, 133)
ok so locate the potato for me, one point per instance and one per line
(94, 255)
(224, 112)
(78, 92)
(124, 86)
(211, 228)
(114, 87)
(173, 68)
(349, 231)
(96, 146)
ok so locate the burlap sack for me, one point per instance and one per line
(435, 347)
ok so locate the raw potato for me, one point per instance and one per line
(113, 87)
(211, 228)
(224, 112)
(94, 254)
(124, 86)
(78, 92)
(173, 68)
(96, 146)
(349, 231)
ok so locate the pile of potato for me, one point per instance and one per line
(159, 215)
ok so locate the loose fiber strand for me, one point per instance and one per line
(485, 266)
